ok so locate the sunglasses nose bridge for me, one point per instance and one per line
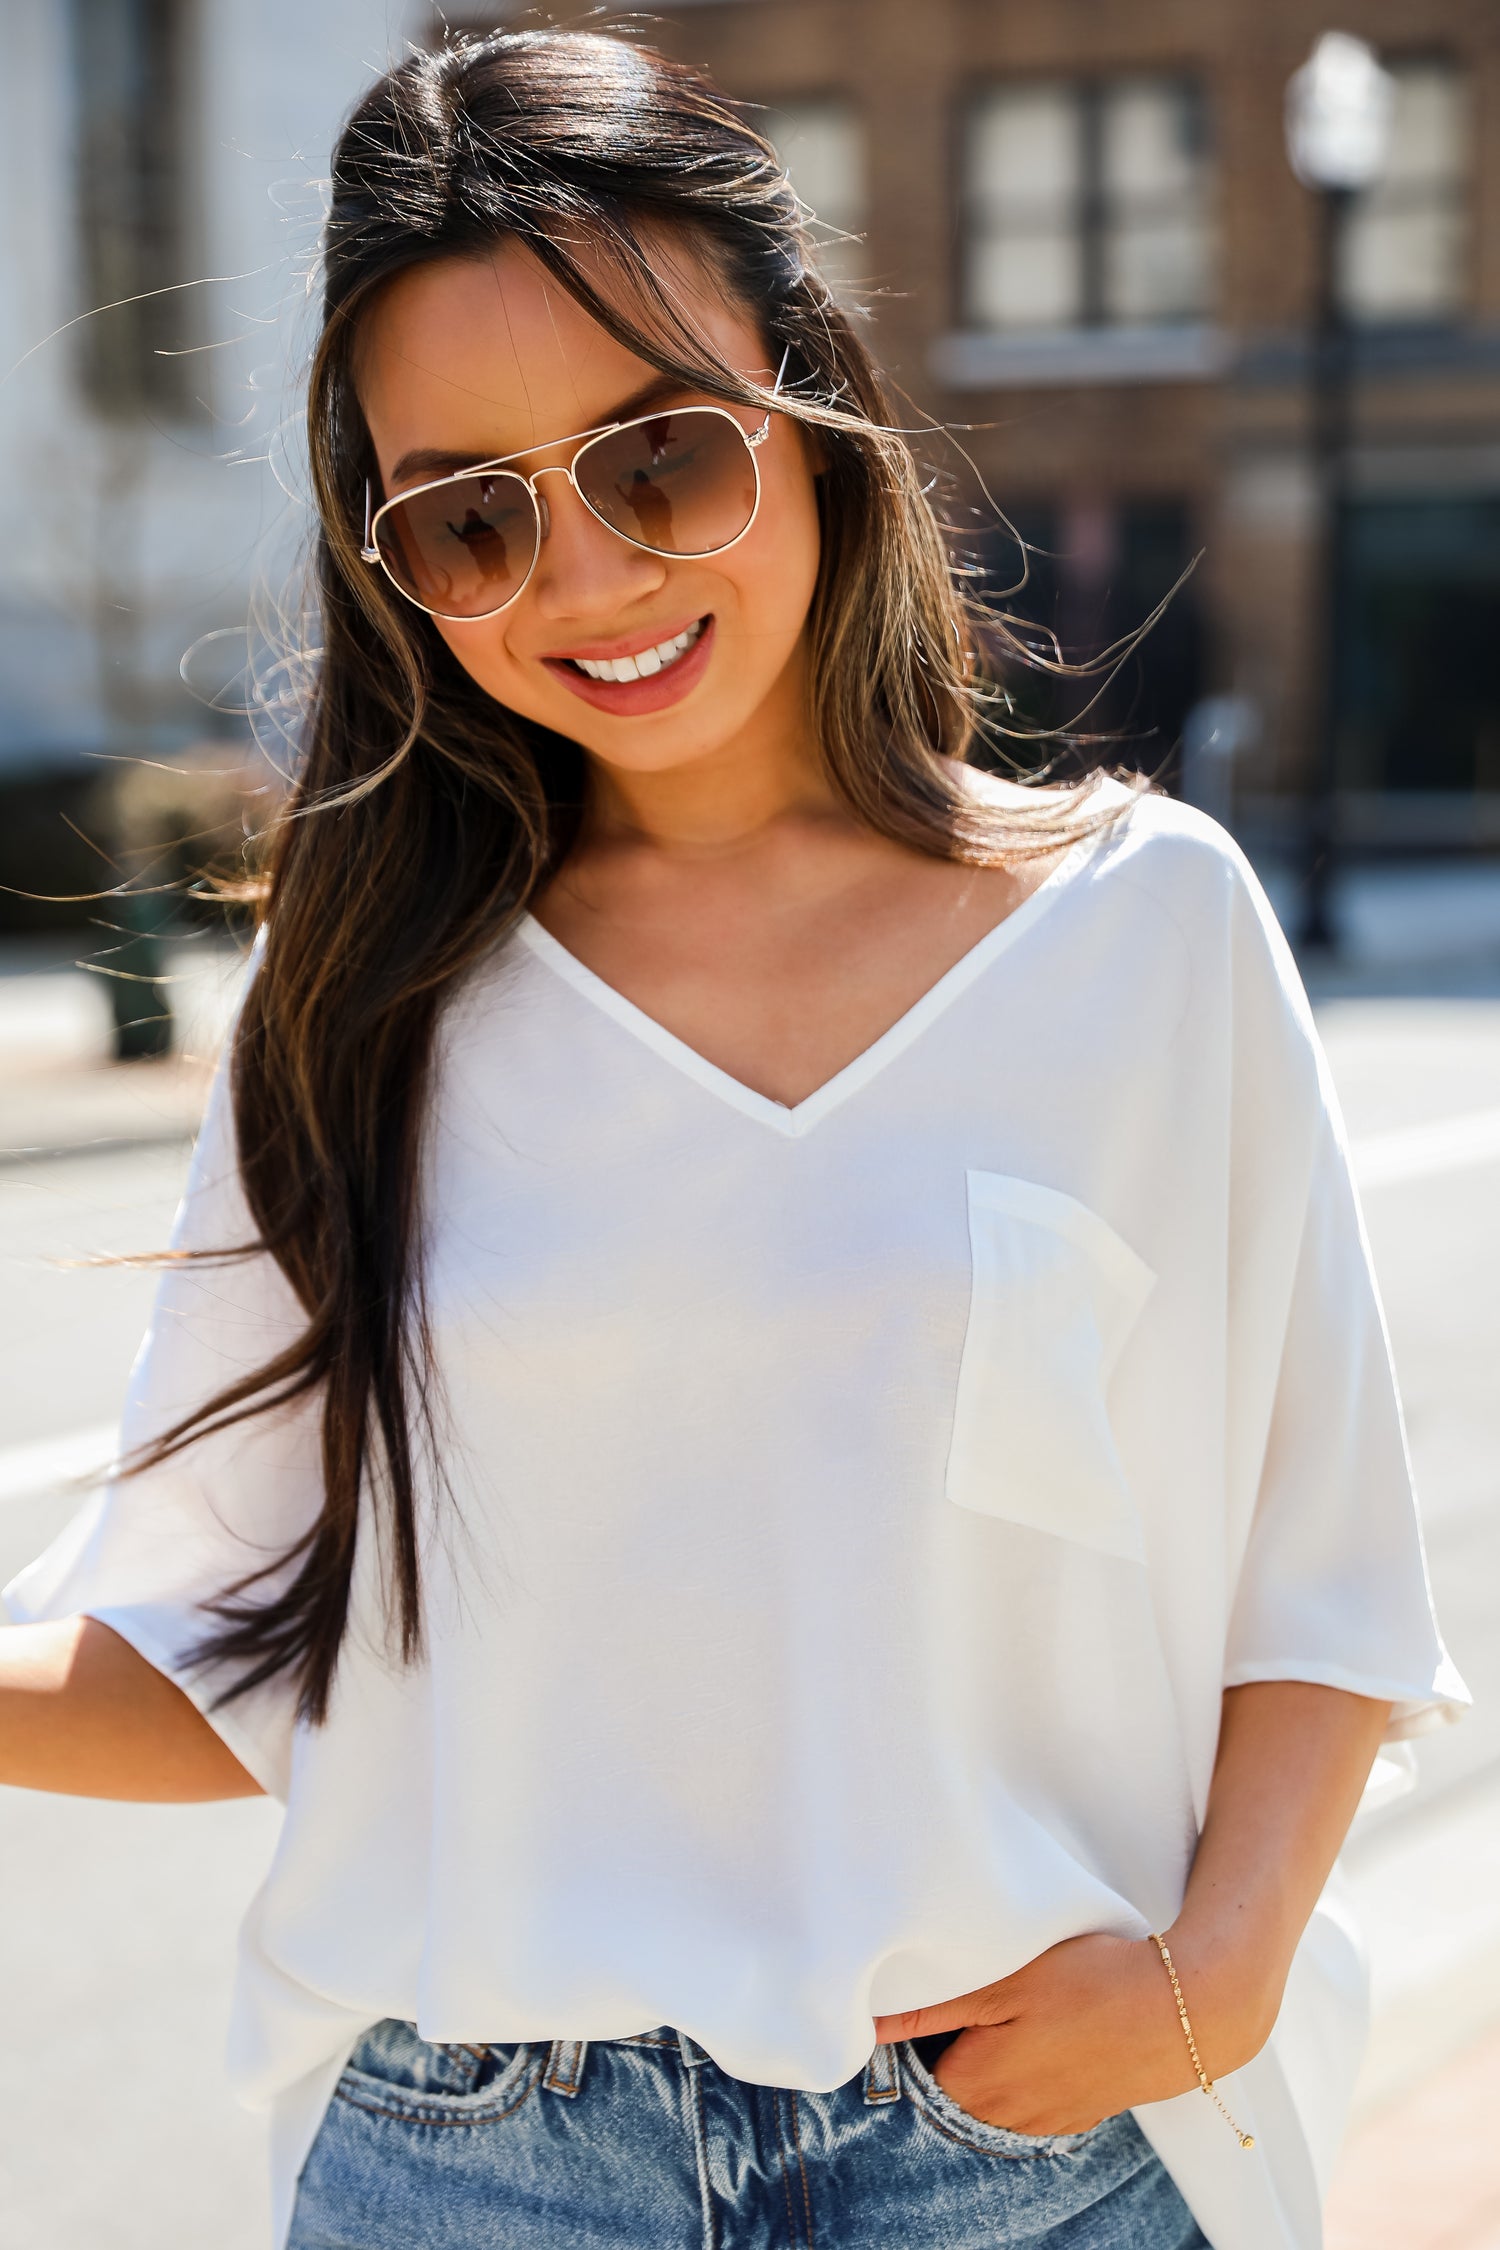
(553, 469)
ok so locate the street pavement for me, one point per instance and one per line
(117, 1922)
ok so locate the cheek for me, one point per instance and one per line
(482, 652)
(778, 563)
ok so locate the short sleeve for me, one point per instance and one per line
(1331, 1583)
(145, 1553)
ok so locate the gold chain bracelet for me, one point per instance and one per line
(1246, 2140)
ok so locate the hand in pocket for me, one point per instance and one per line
(1085, 2030)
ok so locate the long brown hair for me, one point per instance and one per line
(425, 816)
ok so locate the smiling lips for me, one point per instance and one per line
(645, 662)
(639, 680)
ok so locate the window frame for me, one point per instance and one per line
(136, 350)
(1096, 215)
(1459, 202)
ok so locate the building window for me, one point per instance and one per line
(1421, 594)
(1406, 243)
(1088, 205)
(822, 145)
(129, 62)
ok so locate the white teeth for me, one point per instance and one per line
(645, 661)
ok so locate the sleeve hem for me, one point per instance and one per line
(1416, 1709)
(252, 1754)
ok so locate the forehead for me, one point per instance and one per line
(490, 355)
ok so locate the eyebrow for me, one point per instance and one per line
(433, 461)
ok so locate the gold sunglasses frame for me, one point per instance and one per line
(585, 440)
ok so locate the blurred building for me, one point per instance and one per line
(1079, 232)
(161, 165)
(1079, 241)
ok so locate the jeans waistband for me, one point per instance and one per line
(566, 2059)
(663, 2036)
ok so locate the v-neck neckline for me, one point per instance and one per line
(800, 1117)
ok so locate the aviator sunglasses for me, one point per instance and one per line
(684, 483)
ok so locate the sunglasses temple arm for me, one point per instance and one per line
(369, 552)
(759, 436)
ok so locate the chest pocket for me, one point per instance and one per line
(1054, 1295)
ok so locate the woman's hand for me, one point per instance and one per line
(1090, 2027)
(1085, 2030)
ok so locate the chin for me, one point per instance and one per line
(657, 742)
(658, 751)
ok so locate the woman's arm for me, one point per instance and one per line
(83, 1713)
(1292, 1762)
(1090, 2027)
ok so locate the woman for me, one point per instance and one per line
(769, 1416)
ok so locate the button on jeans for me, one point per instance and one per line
(644, 2144)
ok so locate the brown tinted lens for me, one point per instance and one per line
(681, 484)
(462, 548)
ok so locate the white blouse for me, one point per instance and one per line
(849, 1516)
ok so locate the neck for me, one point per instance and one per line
(721, 801)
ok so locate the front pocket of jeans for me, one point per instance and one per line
(516, 2072)
(988, 2140)
(1054, 1295)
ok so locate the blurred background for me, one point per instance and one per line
(1192, 285)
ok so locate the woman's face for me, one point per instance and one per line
(468, 360)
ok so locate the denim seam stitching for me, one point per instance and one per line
(700, 2151)
(980, 2148)
(565, 2066)
(786, 2170)
(801, 2166)
(1047, 2153)
(418, 2116)
(468, 2059)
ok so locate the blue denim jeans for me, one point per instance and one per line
(644, 2144)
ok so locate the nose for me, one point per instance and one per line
(584, 569)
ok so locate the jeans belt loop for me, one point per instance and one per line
(692, 2053)
(564, 2071)
(883, 2076)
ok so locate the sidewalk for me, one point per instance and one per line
(1425, 1877)
(61, 1090)
(1422, 2173)
(1421, 2169)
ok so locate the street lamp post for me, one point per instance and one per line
(1338, 112)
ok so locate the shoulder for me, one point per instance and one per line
(1152, 831)
(1164, 889)
(1140, 846)
(1185, 862)
(1145, 828)
(1182, 868)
